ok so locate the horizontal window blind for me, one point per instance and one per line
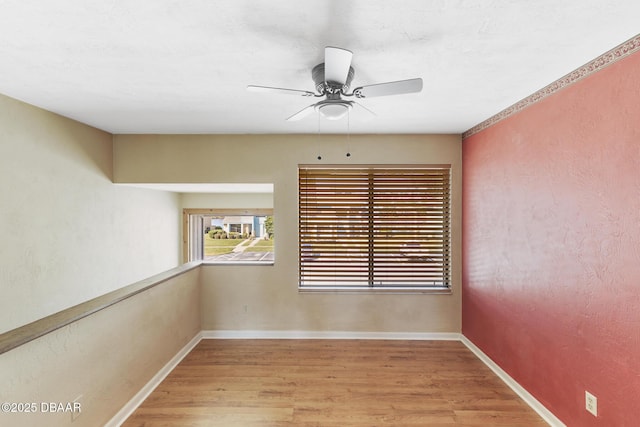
(386, 227)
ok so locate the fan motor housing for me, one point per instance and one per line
(322, 86)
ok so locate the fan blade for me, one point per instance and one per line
(267, 89)
(337, 62)
(390, 88)
(302, 113)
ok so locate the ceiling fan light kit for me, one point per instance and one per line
(332, 80)
(333, 110)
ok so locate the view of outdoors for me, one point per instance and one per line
(363, 227)
(238, 238)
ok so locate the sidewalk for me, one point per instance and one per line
(240, 247)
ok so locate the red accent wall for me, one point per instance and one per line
(551, 246)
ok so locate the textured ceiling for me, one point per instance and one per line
(172, 66)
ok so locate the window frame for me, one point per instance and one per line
(192, 248)
(306, 216)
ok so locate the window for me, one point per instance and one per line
(380, 227)
(229, 236)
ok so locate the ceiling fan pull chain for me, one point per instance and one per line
(318, 138)
(348, 134)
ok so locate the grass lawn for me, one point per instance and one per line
(219, 246)
(261, 246)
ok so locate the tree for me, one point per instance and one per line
(268, 226)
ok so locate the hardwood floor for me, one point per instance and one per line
(332, 383)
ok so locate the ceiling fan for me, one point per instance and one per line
(333, 78)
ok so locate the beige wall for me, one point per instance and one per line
(228, 200)
(266, 297)
(67, 234)
(107, 357)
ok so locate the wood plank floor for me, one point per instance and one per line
(318, 383)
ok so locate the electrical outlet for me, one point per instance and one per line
(591, 403)
(77, 408)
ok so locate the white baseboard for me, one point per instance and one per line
(528, 398)
(334, 335)
(137, 400)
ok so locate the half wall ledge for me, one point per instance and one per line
(29, 332)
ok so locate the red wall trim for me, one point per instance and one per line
(625, 49)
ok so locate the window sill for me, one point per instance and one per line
(376, 290)
(244, 263)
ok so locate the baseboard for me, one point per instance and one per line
(346, 335)
(137, 400)
(528, 398)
